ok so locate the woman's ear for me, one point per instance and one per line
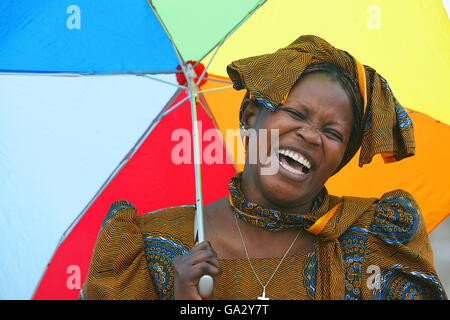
(249, 113)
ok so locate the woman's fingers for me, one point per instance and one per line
(189, 268)
(200, 260)
(203, 268)
(204, 255)
(205, 245)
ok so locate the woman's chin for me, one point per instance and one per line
(281, 192)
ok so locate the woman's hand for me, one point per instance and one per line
(189, 268)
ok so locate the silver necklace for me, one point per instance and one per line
(263, 296)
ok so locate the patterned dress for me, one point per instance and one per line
(385, 252)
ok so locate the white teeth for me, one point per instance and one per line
(296, 156)
(288, 168)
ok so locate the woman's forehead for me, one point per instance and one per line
(318, 92)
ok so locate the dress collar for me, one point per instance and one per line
(271, 219)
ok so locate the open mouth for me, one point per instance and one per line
(294, 162)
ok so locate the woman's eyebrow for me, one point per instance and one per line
(334, 122)
(294, 106)
(339, 123)
(304, 107)
(306, 110)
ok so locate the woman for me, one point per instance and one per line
(281, 235)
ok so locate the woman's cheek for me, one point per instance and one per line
(335, 155)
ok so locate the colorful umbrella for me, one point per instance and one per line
(94, 108)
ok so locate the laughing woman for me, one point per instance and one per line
(281, 235)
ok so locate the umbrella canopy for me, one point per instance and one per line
(91, 112)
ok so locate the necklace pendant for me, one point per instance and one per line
(263, 296)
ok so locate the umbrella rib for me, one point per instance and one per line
(216, 89)
(164, 81)
(210, 60)
(175, 106)
(224, 39)
(217, 80)
(175, 48)
(113, 174)
(425, 115)
(79, 73)
(250, 13)
(122, 163)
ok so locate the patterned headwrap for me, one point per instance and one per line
(386, 128)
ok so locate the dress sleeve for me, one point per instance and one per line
(118, 268)
(398, 262)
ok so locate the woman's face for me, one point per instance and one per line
(314, 127)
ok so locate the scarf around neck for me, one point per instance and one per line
(328, 219)
(271, 219)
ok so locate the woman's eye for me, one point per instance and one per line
(333, 133)
(295, 114)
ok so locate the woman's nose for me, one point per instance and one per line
(310, 133)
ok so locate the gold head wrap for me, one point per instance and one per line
(386, 127)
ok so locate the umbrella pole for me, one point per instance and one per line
(199, 232)
(205, 284)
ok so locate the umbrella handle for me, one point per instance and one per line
(206, 282)
(205, 286)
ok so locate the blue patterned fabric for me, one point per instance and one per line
(353, 245)
(396, 220)
(402, 117)
(309, 273)
(160, 252)
(403, 283)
